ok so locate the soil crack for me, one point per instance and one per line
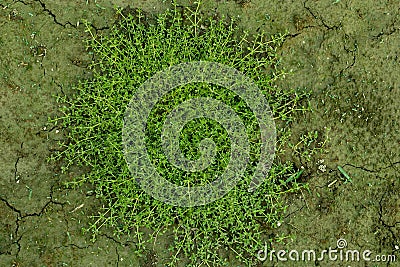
(320, 18)
(48, 11)
(387, 226)
(391, 29)
(372, 171)
(54, 16)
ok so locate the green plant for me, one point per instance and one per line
(138, 46)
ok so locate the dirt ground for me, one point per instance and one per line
(346, 51)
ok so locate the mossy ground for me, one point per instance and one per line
(347, 52)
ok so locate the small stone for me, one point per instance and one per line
(322, 168)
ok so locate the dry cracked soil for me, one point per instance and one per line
(346, 51)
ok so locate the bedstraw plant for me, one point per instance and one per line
(134, 49)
